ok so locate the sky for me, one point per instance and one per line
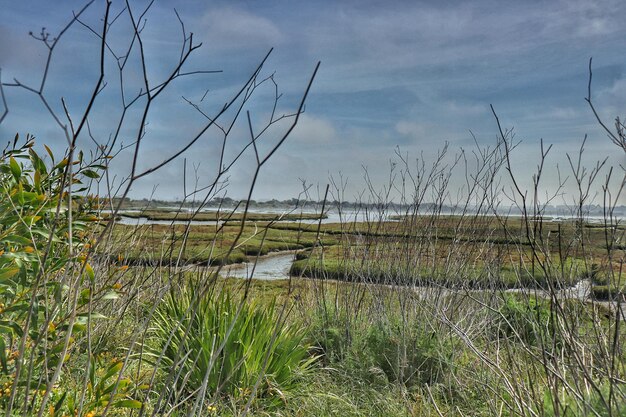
(395, 76)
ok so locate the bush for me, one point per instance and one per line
(231, 372)
(414, 358)
(46, 283)
(403, 354)
(527, 320)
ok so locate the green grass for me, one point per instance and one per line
(477, 253)
(383, 350)
(257, 347)
(354, 263)
(165, 244)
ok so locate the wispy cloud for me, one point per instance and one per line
(231, 28)
(409, 74)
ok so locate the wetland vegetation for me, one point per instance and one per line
(429, 313)
(429, 301)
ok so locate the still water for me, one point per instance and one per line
(268, 268)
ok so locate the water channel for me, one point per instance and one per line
(269, 267)
(276, 266)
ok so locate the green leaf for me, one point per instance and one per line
(20, 240)
(128, 404)
(93, 315)
(30, 220)
(91, 174)
(89, 271)
(49, 153)
(58, 348)
(78, 328)
(10, 327)
(22, 306)
(3, 356)
(38, 164)
(27, 197)
(8, 273)
(6, 329)
(15, 168)
(113, 369)
(57, 406)
(111, 295)
(92, 373)
(37, 180)
(84, 296)
(62, 164)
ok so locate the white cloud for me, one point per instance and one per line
(228, 28)
(464, 109)
(412, 129)
(314, 130)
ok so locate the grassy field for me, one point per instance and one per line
(381, 318)
(369, 363)
(383, 348)
(453, 252)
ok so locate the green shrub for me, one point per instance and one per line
(233, 371)
(46, 237)
(411, 357)
(331, 343)
(403, 354)
(527, 320)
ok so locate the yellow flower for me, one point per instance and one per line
(117, 286)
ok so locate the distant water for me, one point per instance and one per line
(346, 216)
(140, 221)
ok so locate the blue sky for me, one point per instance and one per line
(412, 75)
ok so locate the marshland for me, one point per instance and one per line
(474, 280)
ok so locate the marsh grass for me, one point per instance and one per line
(260, 355)
(404, 312)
